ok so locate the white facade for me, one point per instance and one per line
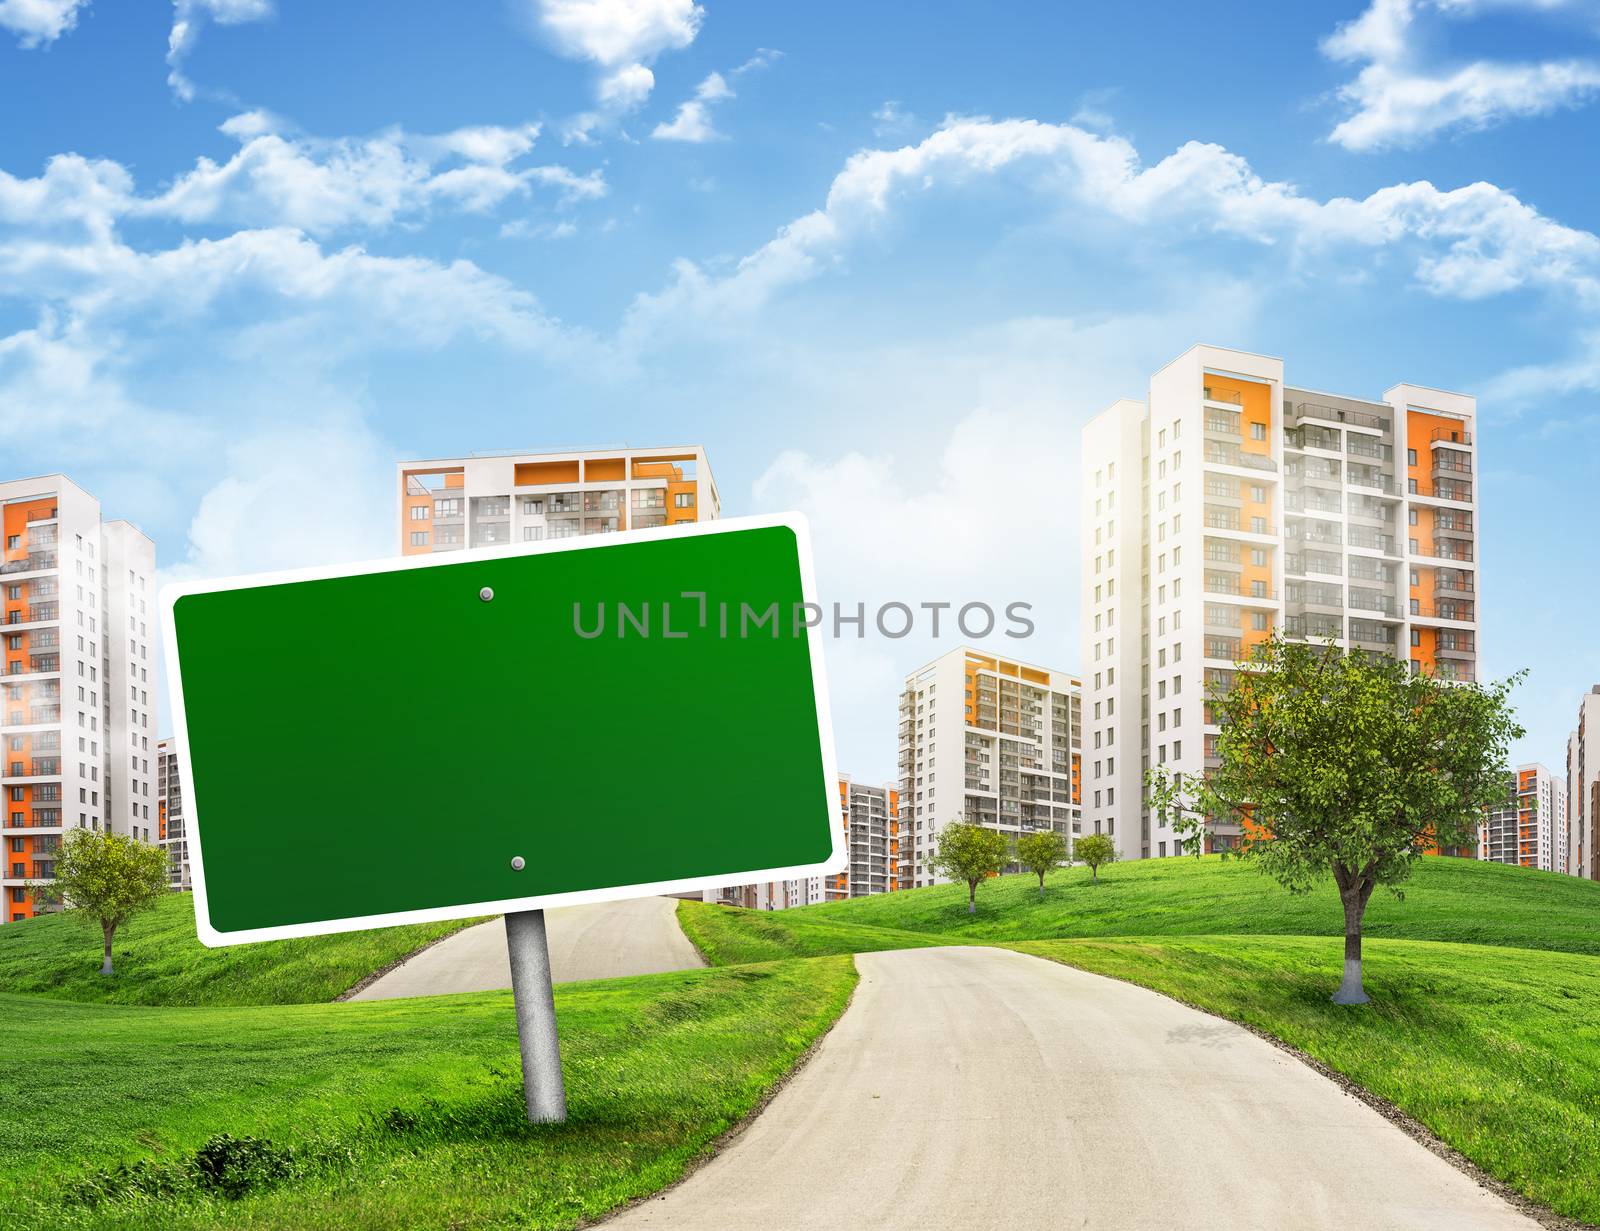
(79, 690)
(990, 740)
(174, 831)
(448, 504)
(1229, 505)
(1530, 830)
(1583, 789)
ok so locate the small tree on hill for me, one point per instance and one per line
(109, 877)
(1095, 849)
(1345, 764)
(1041, 852)
(968, 853)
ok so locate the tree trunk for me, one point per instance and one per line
(1041, 886)
(1094, 871)
(109, 929)
(1354, 891)
(972, 897)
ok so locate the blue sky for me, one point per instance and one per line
(882, 260)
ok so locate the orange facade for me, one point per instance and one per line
(25, 525)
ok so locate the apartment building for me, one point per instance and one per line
(169, 803)
(1228, 504)
(1005, 735)
(1530, 830)
(1583, 789)
(870, 818)
(76, 626)
(483, 500)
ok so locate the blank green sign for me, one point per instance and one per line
(389, 741)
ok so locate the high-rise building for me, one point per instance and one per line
(1583, 789)
(169, 800)
(870, 818)
(1228, 505)
(1000, 737)
(1529, 830)
(483, 500)
(77, 621)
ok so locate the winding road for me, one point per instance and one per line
(984, 1090)
(602, 941)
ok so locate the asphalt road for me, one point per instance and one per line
(979, 1089)
(602, 941)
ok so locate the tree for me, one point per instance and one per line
(1095, 849)
(108, 876)
(1041, 852)
(968, 853)
(1344, 765)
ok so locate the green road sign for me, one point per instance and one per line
(502, 730)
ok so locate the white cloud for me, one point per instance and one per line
(189, 17)
(1467, 243)
(39, 22)
(1395, 100)
(693, 120)
(892, 120)
(621, 37)
(281, 178)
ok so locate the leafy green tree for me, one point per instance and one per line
(968, 853)
(1095, 849)
(1041, 852)
(109, 877)
(1344, 765)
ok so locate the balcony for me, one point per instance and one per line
(1334, 414)
(1372, 541)
(1462, 611)
(1450, 438)
(1449, 583)
(1223, 423)
(1232, 455)
(1461, 552)
(1365, 446)
(1227, 396)
(36, 562)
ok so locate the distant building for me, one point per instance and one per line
(482, 501)
(1530, 829)
(169, 799)
(1583, 789)
(990, 740)
(77, 688)
(870, 818)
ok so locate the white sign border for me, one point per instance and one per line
(212, 938)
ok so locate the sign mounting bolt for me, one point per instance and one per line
(486, 594)
(518, 863)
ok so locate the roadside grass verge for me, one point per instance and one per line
(159, 960)
(1458, 900)
(388, 1114)
(1495, 1050)
(727, 935)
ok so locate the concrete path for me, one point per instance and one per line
(979, 1089)
(602, 941)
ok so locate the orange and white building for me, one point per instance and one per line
(1530, 830)
(78, 686)
(1229, 504)
(870, 818)
(990, 740)
(173, 835)
(484, 500)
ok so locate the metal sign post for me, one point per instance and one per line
(557, 805)
(531, 989)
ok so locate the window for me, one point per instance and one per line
(1258, 431)
(683, 500)
(1411, 457)
(419, 512)
(419, 538)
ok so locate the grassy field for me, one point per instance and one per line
(1495, 1050)
(159, 960)
(1447, 899)
(387, 1114)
